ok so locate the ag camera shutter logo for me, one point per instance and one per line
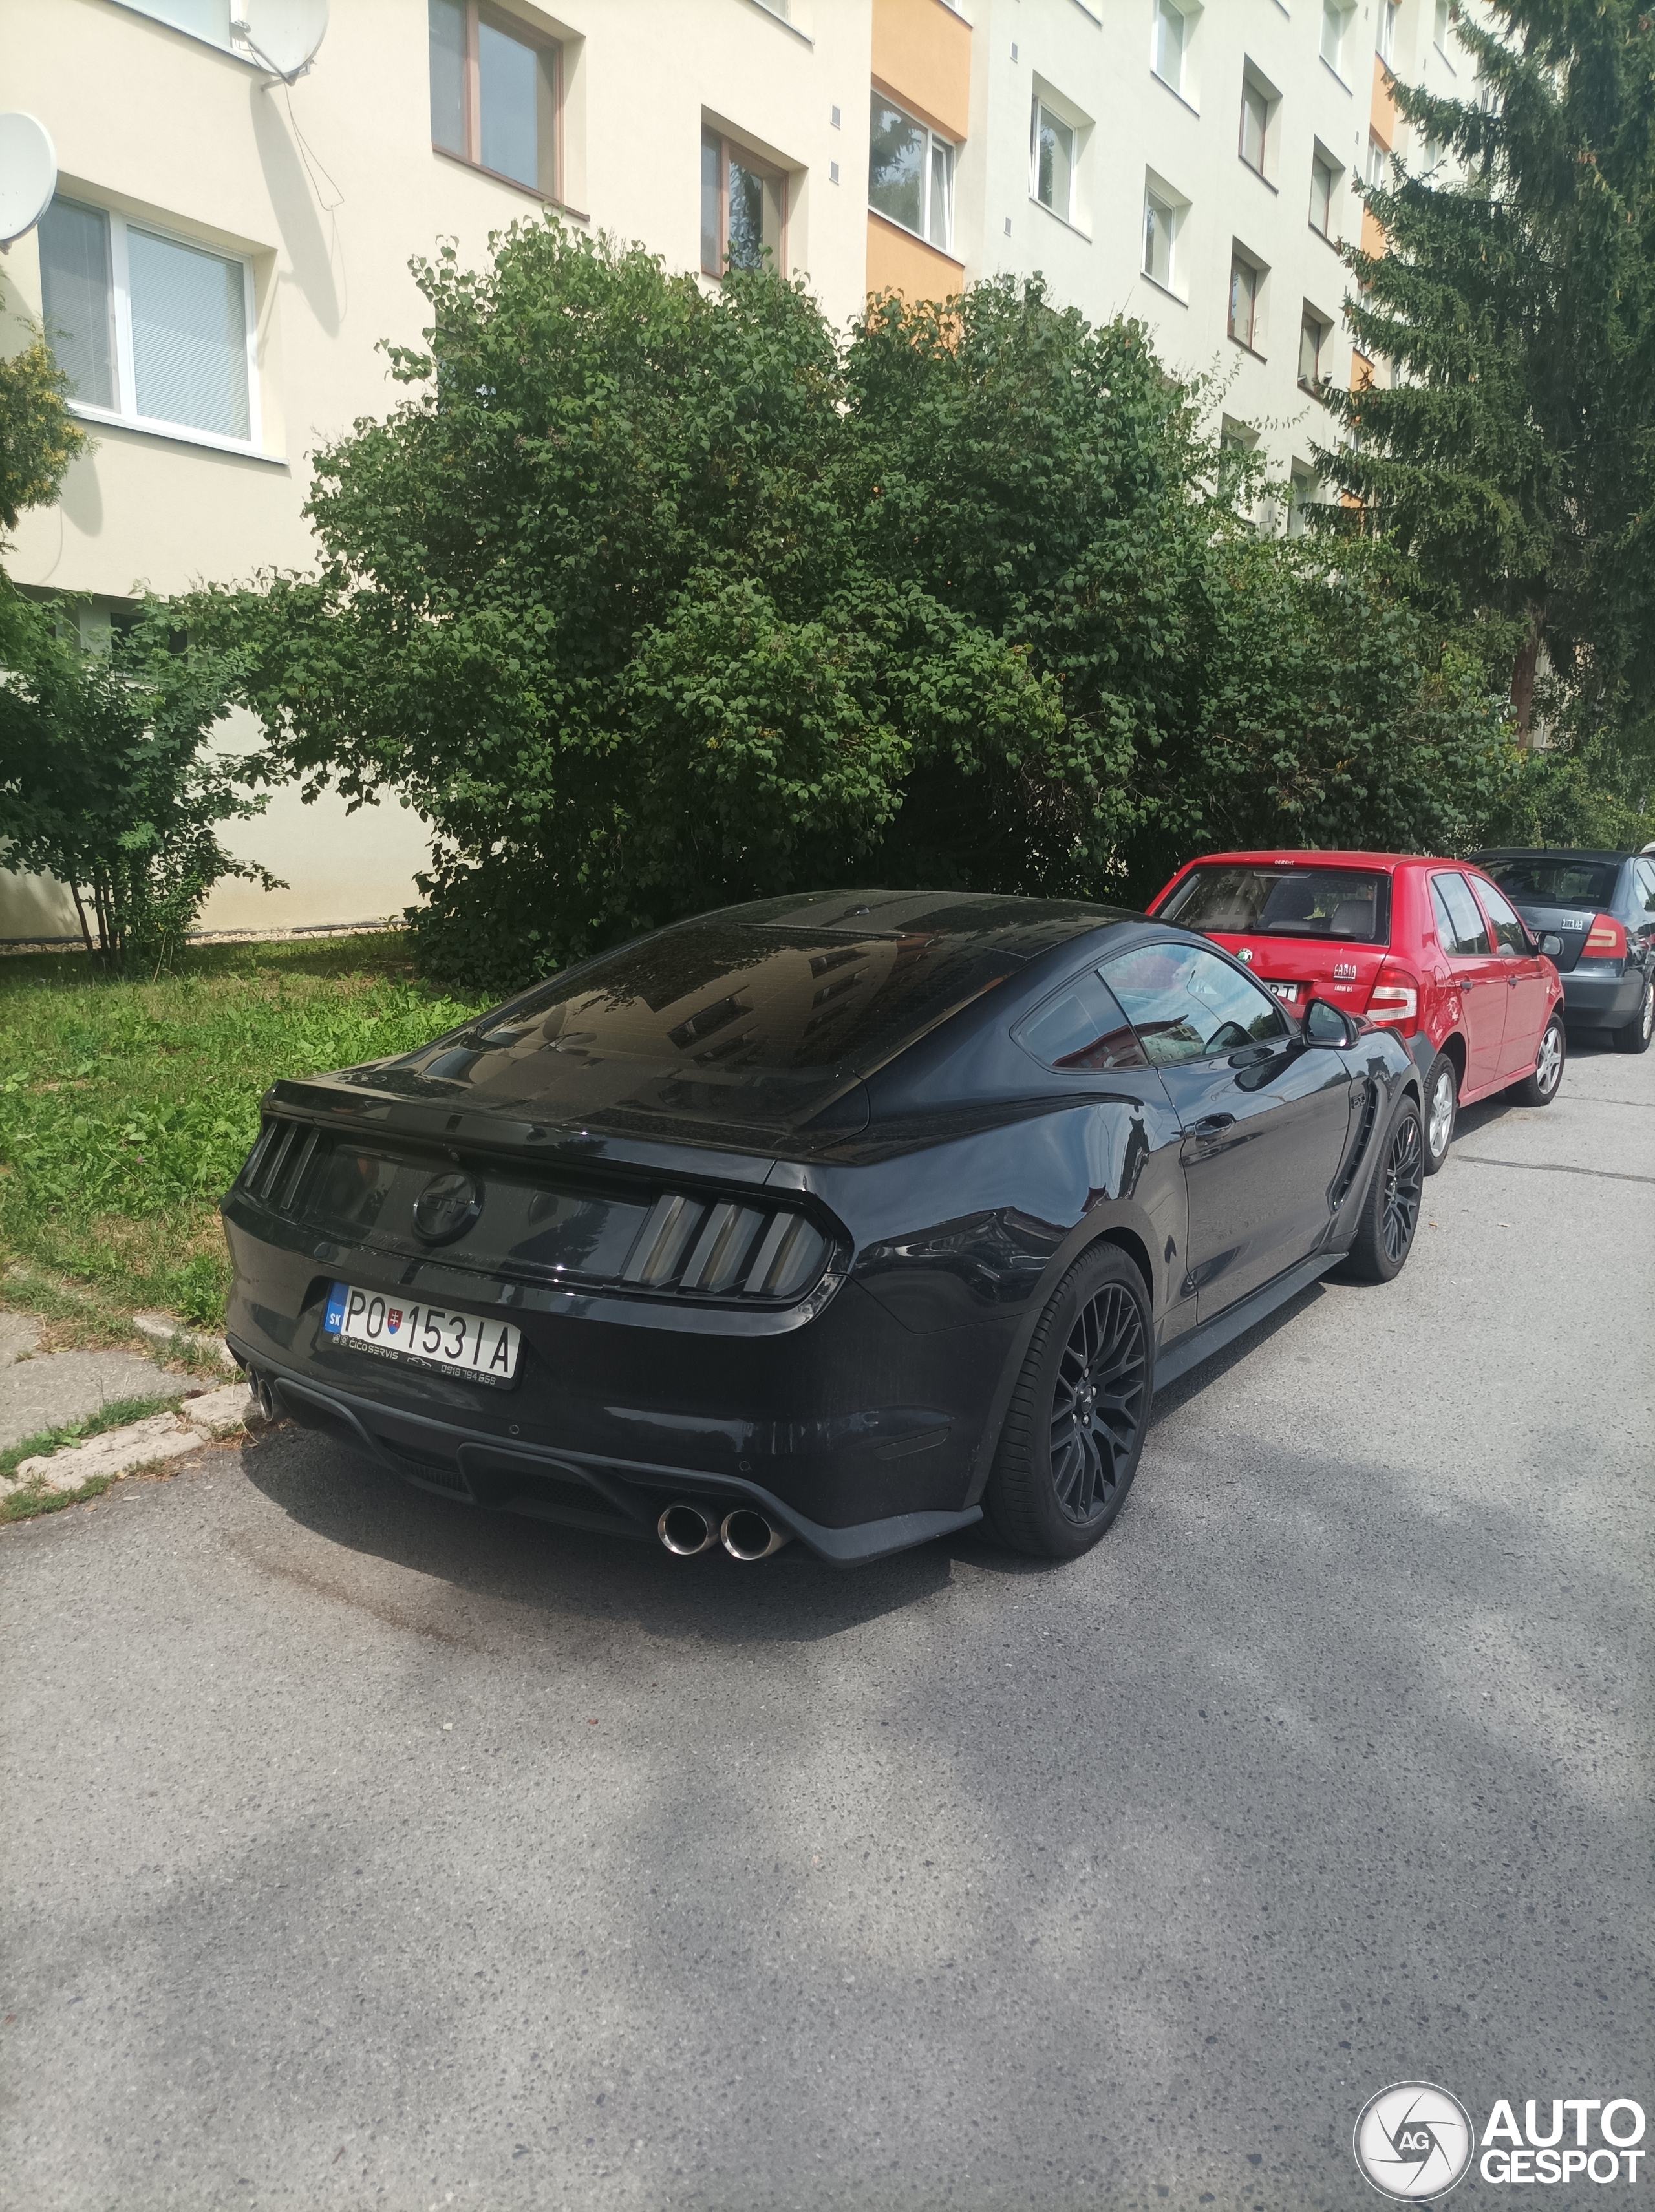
(1413, 2140)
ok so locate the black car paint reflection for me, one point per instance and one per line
(776, 1199)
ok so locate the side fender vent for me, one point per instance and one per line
(1358, 1152)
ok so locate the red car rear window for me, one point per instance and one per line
(1243, 898)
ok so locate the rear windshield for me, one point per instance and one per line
(1556, 883)
(1241, 899)
(725, 1000)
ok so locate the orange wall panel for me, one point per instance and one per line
(922, 55)
(899, 261)
(1374, 238)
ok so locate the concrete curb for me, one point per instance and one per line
(203, 1421)
(171, 1336)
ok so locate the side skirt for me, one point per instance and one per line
(1235, 1321)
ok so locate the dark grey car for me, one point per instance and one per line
(1602, 905)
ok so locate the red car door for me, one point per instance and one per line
(1527, 998)
(1477, 974)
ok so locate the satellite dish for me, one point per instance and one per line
(282, 34)
(28, 174)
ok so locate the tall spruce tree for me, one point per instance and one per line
(1512, 457)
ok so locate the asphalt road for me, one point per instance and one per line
(361, 1851)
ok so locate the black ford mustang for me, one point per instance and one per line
(853, 1218)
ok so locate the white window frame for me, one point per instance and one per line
(1384, 33)
(126, 417)
(1161, 9)
(1156, 192)
(933, 139)
(1324, 162)
(1043, 107)
(1336, 13)
(1253, 88)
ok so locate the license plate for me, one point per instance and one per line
(1287, 993)
(476, 1346)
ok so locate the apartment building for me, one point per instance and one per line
(227, 251)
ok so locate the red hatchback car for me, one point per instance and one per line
(1428, 948)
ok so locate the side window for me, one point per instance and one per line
(1080, 1027)
(1644, 886)
(1511, 937)
(1186, 1003)
(1459, 922)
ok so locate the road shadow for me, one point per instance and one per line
(352, 1502)
(511, 1559)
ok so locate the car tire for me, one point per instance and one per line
(1441, 1113)
(1541, 1086)
(1075, 1425)
(1390, 1210)
(1635, 1035)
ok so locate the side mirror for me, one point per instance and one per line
(1551, 945)
(1326, 1024)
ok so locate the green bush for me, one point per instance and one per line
(649, 599)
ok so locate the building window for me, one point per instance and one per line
(1313, 335)
(910, 173)
(744, 208)
(1324, 187)
(1335, 20)
(150, 328)
(1301, 495)
(1444, 15)
(1254, 123)
(201, 19)
(1384, 41)
(1162, 218)
(1051, 161)
(494, 94)
(1375, 170)
(1168, 34)
(1246, 321)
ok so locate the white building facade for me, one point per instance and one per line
(228, 251)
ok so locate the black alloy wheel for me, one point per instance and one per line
(1391, 1210)
(1098, 1405)
(1404, 1173)
(1075, 1425)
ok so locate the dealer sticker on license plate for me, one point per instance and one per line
(472, 1344)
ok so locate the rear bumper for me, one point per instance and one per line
(1603, 1001)
(856, 1433)
(579, 1490)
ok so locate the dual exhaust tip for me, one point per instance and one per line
(688, 1529)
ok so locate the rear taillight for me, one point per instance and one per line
(1395, 997)
(725, 1249)
(1605, 939)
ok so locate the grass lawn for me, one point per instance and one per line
(127, 1107)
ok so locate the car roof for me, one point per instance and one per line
(1022, 926)
(1299, 856)
(1553, 853)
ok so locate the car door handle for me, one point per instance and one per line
(1212, 1125)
